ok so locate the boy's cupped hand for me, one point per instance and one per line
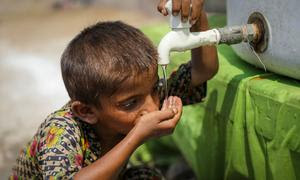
(162, 122)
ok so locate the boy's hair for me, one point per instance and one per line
(101, 57)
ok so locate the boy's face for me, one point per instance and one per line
(136, 96)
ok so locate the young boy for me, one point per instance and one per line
(110, 73)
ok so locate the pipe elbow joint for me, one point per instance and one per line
(168, 43)
(182, 40)
(172, 41)
(164, 49)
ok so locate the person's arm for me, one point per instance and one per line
(204, 59)
(153, 124)
(110, 165)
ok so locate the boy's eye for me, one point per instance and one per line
(129, 104)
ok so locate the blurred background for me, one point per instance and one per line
(33, 34)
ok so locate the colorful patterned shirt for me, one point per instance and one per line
(64, 144)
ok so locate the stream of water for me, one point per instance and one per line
(164, 69)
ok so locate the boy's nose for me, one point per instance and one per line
(152, 103)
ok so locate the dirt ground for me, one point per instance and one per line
(31, 87)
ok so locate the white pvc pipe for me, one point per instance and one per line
(182, 40)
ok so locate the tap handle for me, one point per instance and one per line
(175, 21)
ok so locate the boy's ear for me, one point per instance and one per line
(84, 112)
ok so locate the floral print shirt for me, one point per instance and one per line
(64, 144)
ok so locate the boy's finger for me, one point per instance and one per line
(176, 5)
(164, 106)
(174, 101)
(169, 124)
(165, 115)
(170, 101)
(178, 106)
(160, 115)
(177, 102)
(185, 10)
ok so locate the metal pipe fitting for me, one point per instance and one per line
(238, 34)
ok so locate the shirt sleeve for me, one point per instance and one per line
(60, 155)
(179, 84)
